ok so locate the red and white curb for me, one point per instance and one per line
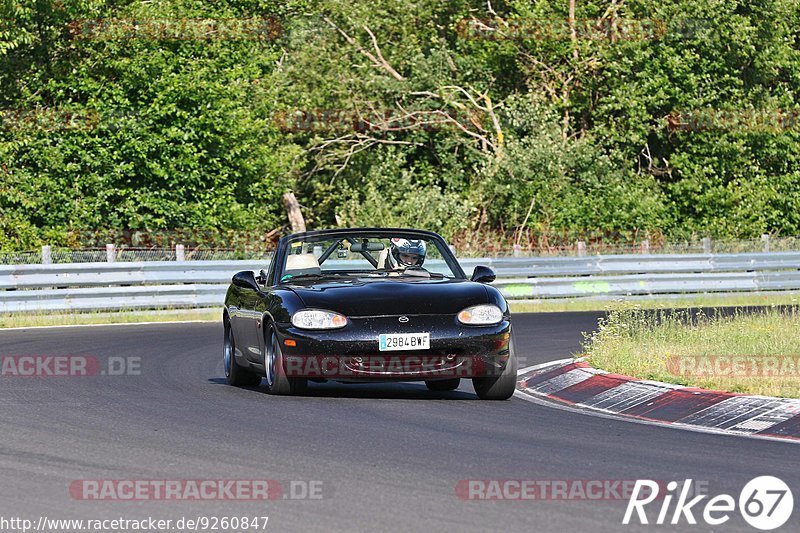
(575, 383)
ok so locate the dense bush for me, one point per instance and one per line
(439, 126)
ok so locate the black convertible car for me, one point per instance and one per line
(356, 305)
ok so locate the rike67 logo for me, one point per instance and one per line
(765, 503)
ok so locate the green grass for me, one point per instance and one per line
(684, 302)
(653, 344)
(118, 317)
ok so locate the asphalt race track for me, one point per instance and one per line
(389, 457)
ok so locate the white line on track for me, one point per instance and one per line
(112, 324)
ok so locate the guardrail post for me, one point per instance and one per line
(47, 257)
(706, 245)
(180, 252)
(765, 241)
(646, 246)
(581, 249)
(111, 253)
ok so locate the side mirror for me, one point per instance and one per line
(246, 280)
(483, 274)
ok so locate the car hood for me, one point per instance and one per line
(360, 297)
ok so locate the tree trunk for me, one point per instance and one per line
(295, 215)
(572, 31)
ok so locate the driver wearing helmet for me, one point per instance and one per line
(408, 252)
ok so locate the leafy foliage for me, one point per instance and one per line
(442, 128)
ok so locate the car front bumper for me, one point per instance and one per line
(352, 353)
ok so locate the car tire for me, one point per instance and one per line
(500, 387)
(235, 374)
(443, 385)
(277, 380)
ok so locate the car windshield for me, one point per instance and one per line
(376, 255)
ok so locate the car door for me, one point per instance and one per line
(246, 322)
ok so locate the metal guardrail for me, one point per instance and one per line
(186, 284)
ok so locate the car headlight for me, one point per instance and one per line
(318, 319)
(481, 315)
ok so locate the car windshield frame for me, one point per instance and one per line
(285, 245)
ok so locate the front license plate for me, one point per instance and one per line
(404, 341)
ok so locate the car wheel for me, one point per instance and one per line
(277, 380)
(235, 374)
(500, 387)
(443, 384)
